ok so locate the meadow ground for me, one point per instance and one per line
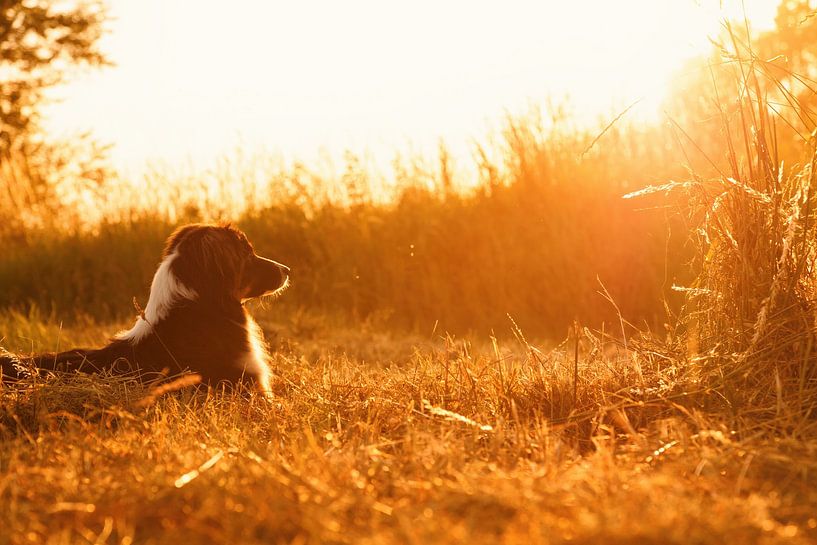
(376, 437)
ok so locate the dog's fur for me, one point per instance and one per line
(194, 319)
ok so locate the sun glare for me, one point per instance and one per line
(190, 85)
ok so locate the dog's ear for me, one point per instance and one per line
(207, 262)
(218, 258)
(180, 235)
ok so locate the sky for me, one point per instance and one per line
(193, 81)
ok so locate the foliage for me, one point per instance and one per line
(39, 41)
(793, 37)
(780, 65)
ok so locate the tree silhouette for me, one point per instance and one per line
(794, 37)
(40, 42)
(780, 64)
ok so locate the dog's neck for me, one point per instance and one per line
(166, 291)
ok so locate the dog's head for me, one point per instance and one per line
(219, 264)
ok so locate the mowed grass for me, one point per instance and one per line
(380, 439)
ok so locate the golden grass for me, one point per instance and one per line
(447, 442)
(749, 322)
(534, 239)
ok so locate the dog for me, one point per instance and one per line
(195, 319)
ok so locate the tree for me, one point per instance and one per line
(779, 65)
(794, 38)
(40, 42)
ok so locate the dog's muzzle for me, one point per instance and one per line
(267, 277)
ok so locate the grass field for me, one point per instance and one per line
(381, 439)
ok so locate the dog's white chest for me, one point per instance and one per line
(256, 360)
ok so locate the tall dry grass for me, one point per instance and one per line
(539, 235)
(750, 318)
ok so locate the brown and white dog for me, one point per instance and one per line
(195, 318)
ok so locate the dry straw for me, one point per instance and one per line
(750, 314)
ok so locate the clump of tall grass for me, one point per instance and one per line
(751, 313)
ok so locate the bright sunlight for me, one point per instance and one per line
(298, 77)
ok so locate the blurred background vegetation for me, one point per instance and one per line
(541, 233)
